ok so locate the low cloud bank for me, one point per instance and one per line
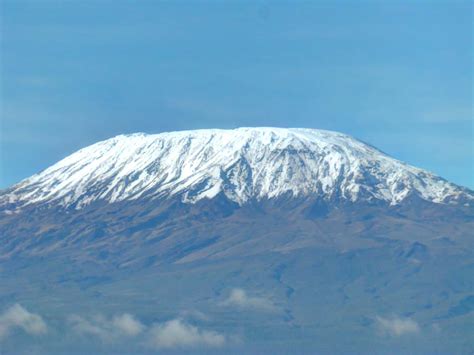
(396, 326)
(18, 317)
(178, 334)
(175, 333)
(107, 329)
(239, 298)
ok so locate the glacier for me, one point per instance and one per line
(245, 164)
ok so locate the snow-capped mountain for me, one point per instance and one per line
(244, 164)
(282, 232)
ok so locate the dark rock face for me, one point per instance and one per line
(138, 223)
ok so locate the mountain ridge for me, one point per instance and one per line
(244, 164)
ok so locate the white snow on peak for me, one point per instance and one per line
(243, 164)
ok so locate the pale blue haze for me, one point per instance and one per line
(396, 74)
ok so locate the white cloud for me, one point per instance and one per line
(84, 326)
(175, 333)
(396, 326)
(18, 317)
(107, 329)
(127, 324)
(178, 334)
(239, 298)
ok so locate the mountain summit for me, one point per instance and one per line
(244, 164)
(294, 235)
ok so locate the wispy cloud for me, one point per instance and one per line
(239, 298)
(396, 326)
(177, 333)
(127, 324)
(194, 314)
(107, 329)
(18, 317)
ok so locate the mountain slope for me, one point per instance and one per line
(244, 164)
(276, 240)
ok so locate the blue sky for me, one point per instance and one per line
(397, 74)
